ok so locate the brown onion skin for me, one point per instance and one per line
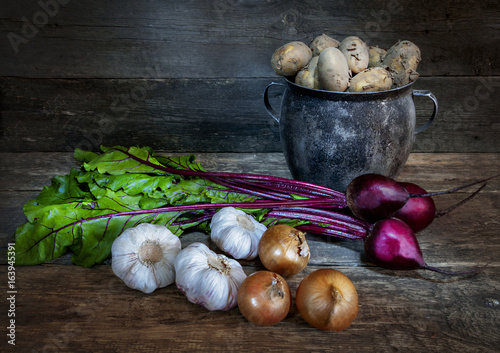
(327, 300)
(284, 250)
(264, 298)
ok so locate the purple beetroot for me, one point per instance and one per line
(392, 244)
(373, 197)
(418, 212)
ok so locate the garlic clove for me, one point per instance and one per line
(143, 256)
(236, 233)
(208, 279)
(233, 242)
(146, 282)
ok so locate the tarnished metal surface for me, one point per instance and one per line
(329, 138)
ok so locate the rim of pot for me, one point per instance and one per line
(291, 81)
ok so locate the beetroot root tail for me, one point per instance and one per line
(455, 273)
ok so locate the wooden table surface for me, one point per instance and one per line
(60, 307)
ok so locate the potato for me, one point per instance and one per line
(290, 58)
(333, 70)
(372, 79)
(376, 55)
(402, 61)
(322, 42)
(308, 76)
(356, 53)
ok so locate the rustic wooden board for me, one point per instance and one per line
(62, 307)
(217, 55)
(187, 77)
(233, 38)
(225, 115)
(29, 172)
(75, 309)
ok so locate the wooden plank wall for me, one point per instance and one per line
(189, 75)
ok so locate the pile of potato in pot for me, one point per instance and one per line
(350, 65)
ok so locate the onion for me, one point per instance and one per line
(327, 300)
(264, 298)
(284, 250)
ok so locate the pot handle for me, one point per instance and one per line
(428, 94)
(270, 110)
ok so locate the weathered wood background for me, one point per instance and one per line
(66, 308)
(189, 76)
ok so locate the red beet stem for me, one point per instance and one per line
(332, 222)
(311, 228)
(454, 273)
(451, 208)
(250, 190)
(256, 177)
(286, 187)
(454, 189)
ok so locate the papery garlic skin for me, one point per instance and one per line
(143, 256)
(236, 233)
(208, 279)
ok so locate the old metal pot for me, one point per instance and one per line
(329, 138)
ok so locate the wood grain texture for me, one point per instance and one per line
(94, 311)
(188, 77)
(29, 172)
(234, 38)
(63, 307)
(225, 115)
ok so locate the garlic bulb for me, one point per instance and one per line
(143, 256)
(207, 278)
(236, 233)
